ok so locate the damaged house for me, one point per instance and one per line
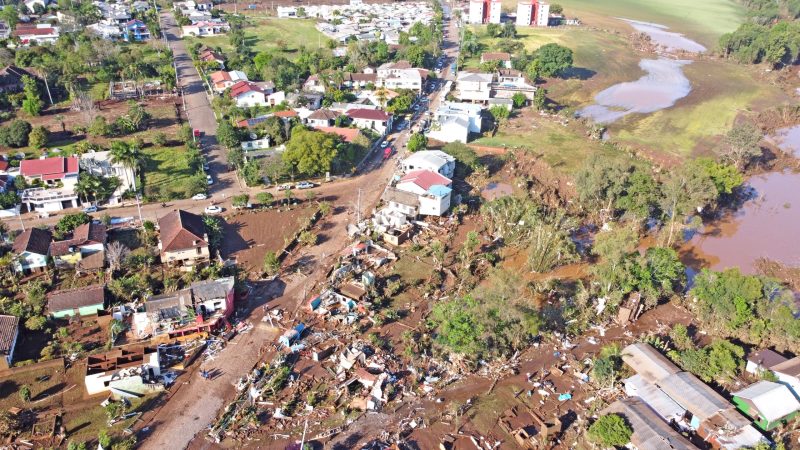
(202, 307)
(124, 372)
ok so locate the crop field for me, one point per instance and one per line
(265, 34)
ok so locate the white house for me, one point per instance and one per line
(434, 160)
(474, 86)
(221, 79)
(503, 58)
(371, 119)
(450, 129)
(100, 164)
(286, 12)
(247, 95)
(322, 117)
(454, 122)
(36, 34)
(788, 373)
(400, 75)
(58, 176)
(432, 189)
(32, 248)
(256, 144)
(206, 28)
(762, 361)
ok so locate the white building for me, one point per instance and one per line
(99, 164)
(256, 144)
(287, 12)
(476, 15)
(788, 373)
(432, 189)
(495, 11)
(400, 75)
(474, 86)
(434, 160)
(124, 372)
(205, 28)
(247, 95)
(532, 13)
(455, 121)
(58, 176)
(221, 79)
(371, 119)
(36, 34)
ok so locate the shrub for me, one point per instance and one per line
(610, 430)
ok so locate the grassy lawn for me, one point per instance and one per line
(703, 21)
(564, 148)
(167, 174)
(263, 34)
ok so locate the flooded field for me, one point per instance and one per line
(668, 40)
(765, 226)
(663, 85)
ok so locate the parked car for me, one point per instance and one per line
(305, 185)
(197, 133)
(212, 209)
(384, 144)
(90, 209)
(284, 187)
(209, 180)
(199, 196)
(205, 164)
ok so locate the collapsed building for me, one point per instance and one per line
(124, 372)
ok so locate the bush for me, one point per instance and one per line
(240, 201)
(265, 198)
(15, 134)
(307, 238)
(610, 430)
(25, 393)
(272, 265)
(38, 137)
(160, 139)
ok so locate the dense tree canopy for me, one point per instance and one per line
(311, 152)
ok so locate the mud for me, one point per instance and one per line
(668, 40)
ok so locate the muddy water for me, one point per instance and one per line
(663, 85)
(668, 40)
(788, 139)
(766, 226)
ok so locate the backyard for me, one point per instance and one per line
(168, 173)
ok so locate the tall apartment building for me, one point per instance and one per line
(484, 11)
(532, 13)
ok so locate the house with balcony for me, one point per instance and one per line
(32, 247)
(86, 240)
(100, 164)
(481, 87)
(400, 75)
(453, 122)
(57, 177)
(135, 31)
(432, 189)
(182, 239)
(474, 86)
(206, 28)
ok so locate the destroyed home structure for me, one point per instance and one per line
(9, 330)
(87, 240)
(649, 430)
(124, 372)
(83, 301)
(708, 414)
(183, 239)
(769, 404)
(31, 247)
(203, 306)
(58, 175)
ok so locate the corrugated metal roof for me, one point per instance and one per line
(662, 404)
(649, 431)
(694, 395)
(648, 362)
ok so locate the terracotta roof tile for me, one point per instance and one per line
(86, 234)
(33, 240)
(425, 179)
(76, 298)
(56, 166)
(368, 114)
(181, 230)
(9, 326)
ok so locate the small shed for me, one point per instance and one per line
(769, 404)
(763, 360)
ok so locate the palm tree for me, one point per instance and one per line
(128, 156)
(82, 187)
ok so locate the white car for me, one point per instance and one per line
(90, 209)
(212, 209)
(199, 196)
(209, 180)
(284, 187)
(305, 185)
(384, 144)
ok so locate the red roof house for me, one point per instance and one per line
(49, 169)
(420, 181)
(348, 134)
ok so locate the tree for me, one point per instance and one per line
(610, 430)
(553, 59)
(727, 299)
(160, 139)
(272, 265)
(416, 142)
(38, 137)
(640, 194)
(555, 8)
(311, 152)
(69, 222)
(116, 253)
(36, 323)
(308, 238)
(741, 145)
(32, 104)
(15, 134)
(99, 127)
(10, 15)
(128, 156)
(613, 247)
(25, 393)
(240, 201)
(493, 30)
(726, 177)
(499, 113)
(228, 135)
(509, 30)
(265, 198)
(251, 172)
(540, 98)
(519, 100)
(685, 190)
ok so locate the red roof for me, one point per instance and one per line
(220, 76)
(368, 114)
(34, 31)
(243, 87)
(425, 179)
(348, 134)
(3, 164)
(49, 168)
(285, 114)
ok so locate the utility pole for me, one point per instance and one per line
(303, 440)
(358, 208)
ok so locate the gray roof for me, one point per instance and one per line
(212, 289)
(773, 401)
(402, 197)
(790, 367)
(648, 362)
(694, 395)
(766, 358)
(661, 403)
(649, 431)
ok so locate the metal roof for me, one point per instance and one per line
(648, 362)
(694, 395)
(773, 401)
(649, 431)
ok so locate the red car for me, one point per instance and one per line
(196, 133)
(387, 152)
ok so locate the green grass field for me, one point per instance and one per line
(703, 20)
(264, 34)
(167, 174)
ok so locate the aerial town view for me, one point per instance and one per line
(400, 224)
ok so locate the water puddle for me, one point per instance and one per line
(663, 85)
(788, 139)
(765, 226)
(668, 40)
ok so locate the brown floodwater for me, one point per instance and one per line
(765, 226)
